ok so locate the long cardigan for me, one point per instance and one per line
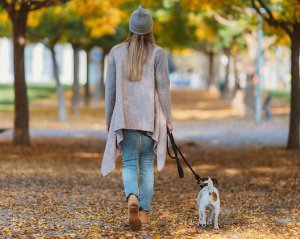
(143, 105)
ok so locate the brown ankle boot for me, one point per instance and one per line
(144, 217)
(133, 213)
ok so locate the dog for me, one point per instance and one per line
(208, 199)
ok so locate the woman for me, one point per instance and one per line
(138, 113)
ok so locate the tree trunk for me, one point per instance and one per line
(294, 130)
(225, 92)
(61, 104)
(75, 90)
(21, 121)
(87, 92)
(237, 80)
(249, 97)
(211, 77)
(101, 82)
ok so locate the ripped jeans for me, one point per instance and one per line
(138, 156)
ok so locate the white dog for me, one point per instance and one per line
(208, 199)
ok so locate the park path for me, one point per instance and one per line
(232, 133)
(198, 116)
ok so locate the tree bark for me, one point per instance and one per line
(101, 82)
(75, 90)
(249, 97)
(225, 92)
(61, 104)
(21, 121)
(237, 80)
(294, 128)
(87, 92)
(211, 71)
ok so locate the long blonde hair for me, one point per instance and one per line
(138, 49)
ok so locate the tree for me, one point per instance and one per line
(232, 43)
(217, 31)
(100, 19)
(5, 25)
(285, 15)
(48, 27)
(106, 43)
(207, 38)
(74, 33)
(18, 11)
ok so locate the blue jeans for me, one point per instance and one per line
(138, 155)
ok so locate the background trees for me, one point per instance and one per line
(47, 27)
(100, 21)
(212, 27)
(18, 11)
(285, 15)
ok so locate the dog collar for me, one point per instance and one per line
(203, 185)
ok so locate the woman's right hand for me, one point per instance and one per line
(170, 127)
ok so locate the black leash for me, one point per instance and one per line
(176, 150)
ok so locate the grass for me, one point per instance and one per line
(35, 91)
(282, 95)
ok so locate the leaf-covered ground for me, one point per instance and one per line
(54, 190)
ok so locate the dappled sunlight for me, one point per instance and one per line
(207, 167)
(185, 115)
(267, 169)
(87, 155)
(190, 106)
(197, 105)
(232, 171)
(281, 110)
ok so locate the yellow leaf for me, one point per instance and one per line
(6, 230)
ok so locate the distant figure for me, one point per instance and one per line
(138, 114)
(266, 106)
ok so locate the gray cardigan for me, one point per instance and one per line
(143, 105)
(161, 80)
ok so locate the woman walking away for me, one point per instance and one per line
(138, 113)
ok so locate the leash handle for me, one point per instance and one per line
(176, 151)
(179, 167)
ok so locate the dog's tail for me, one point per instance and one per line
(210, 184)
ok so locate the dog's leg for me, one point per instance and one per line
(200, 215)
(210, 217)
(203, 216)
(216, 215)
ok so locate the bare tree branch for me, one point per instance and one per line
(268, 41)
(37, 4)
(269, 12)
(270, 19)
(9, 7)
(295, 13)
(225, 21)
(4, 4)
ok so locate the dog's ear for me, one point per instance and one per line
(215, 181)
(201, 180)
(204, 179)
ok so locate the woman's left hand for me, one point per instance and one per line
(170, 127)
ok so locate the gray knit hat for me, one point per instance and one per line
(140, 22)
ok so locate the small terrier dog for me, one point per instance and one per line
(208, 199)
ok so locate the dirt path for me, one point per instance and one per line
(198, 116)
(225, 133)
(55, 189)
